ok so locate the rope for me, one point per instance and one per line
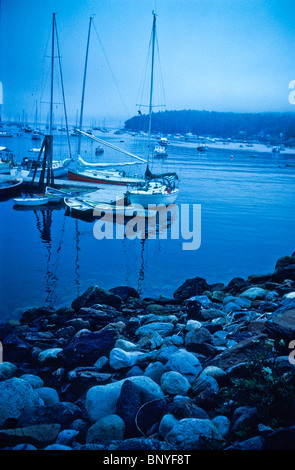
(108, 144)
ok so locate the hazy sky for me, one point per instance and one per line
(217, 55)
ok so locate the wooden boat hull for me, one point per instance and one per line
(7, 187)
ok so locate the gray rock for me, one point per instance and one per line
(16, 395)
(155, 371)
(106, 429)
(49, 356)
(48, 395)
(101, 400)
(210, 314)
(57, 447)
(205, 383)
(38, 435)
(185, 363)
(33, 380)
(173, 383)
(167, 423)
(66, 437)
(194, 434)
(96, 295)
(254, 293)
(254, 443)
(63, 413)
(222, 423)
(163, 328)
(7, 369)
(24, 447)
(120, 359)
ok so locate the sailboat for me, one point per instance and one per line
(100, 172)
(30, 167)
(157, 188)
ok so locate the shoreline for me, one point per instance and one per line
(113, 371)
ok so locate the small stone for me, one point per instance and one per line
(119, 359)
(254, 293)
(7, 369)
(173, 383)
(33, 380)
(106, 429)
(166, 424)
(48, 395)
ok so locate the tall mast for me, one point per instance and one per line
(152, 83)
(83, 88)
(52, 73)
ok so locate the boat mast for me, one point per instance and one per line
(52, 76)
(83, 88)
(152, 83)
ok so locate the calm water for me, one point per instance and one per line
(48, 257)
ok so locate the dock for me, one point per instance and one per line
(108, 193)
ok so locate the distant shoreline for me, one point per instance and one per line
(236, 146)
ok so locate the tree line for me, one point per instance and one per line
(217, 124)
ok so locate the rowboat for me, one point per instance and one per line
(31, 201)
(8, 186)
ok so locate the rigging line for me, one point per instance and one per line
(111, 72)
(160, 70)
(144, 76)
(108, 144)
(63, 91)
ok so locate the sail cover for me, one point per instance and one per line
(106, 165)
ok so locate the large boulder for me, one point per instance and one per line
(186, 363)
(15, 396)
(63, 413)
(139, 408)
(101, 400)
(244, 351)
(38, 435)
(195, 434)
(96, 295)
(87, 348)
(125, 292)
(190, 288)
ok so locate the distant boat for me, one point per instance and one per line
(202, 148)
(164, 141)
(160, 151)
(99, 150)
(5, 134)
(8, 186)
(276, 150)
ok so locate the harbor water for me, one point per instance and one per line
(48, 257)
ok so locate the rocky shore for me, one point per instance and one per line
(211, 368)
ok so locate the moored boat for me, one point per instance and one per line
(8, 186)
(31, 201)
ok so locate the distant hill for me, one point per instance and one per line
(264, 126)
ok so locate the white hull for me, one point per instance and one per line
(34, 201)
(58, 171)
(147, 199)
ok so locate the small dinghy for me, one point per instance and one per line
(30, 201)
